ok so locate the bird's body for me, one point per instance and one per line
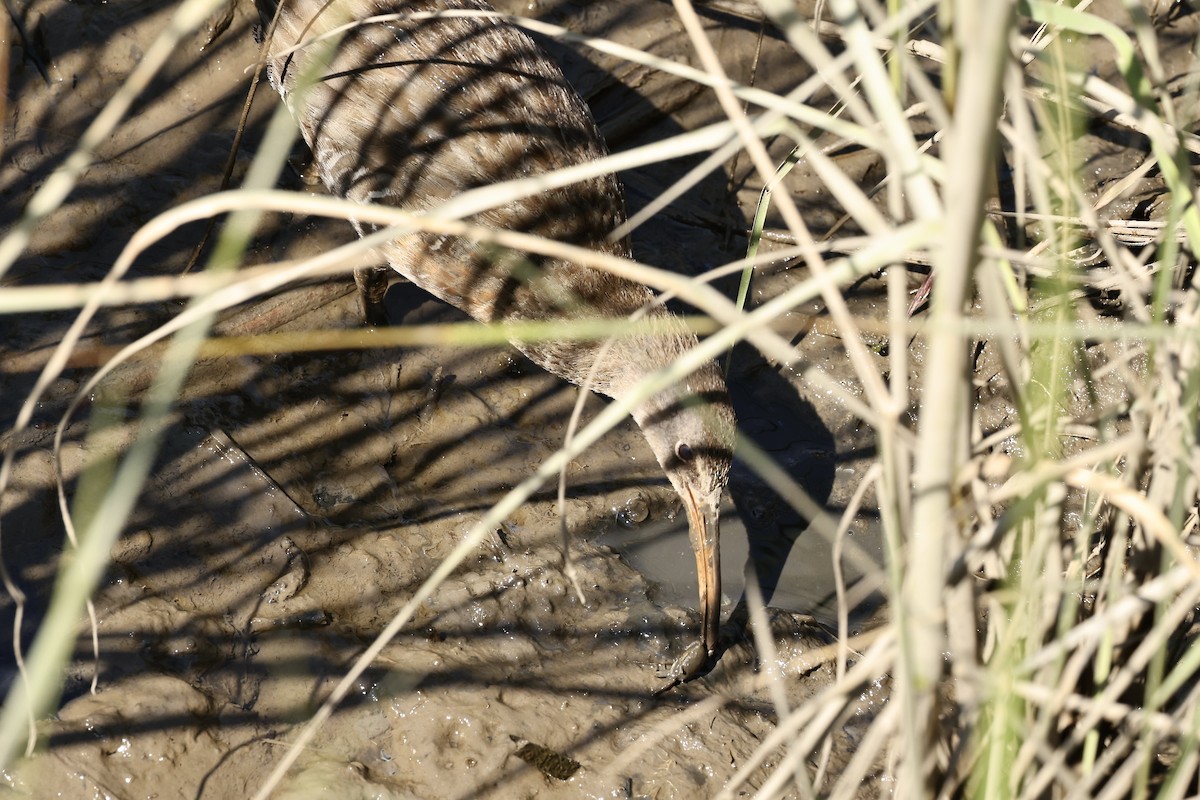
(411, 112)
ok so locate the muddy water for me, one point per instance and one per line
(299, 500)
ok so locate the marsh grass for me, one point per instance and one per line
(1041, 576)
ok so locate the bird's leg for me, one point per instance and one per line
(372, 283)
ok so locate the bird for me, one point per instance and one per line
(410, 112)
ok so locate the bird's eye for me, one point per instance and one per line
(683, 452)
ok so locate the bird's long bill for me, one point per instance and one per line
(704, 530)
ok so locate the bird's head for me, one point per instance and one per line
(691, 429)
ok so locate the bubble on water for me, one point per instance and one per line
(635, 511)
